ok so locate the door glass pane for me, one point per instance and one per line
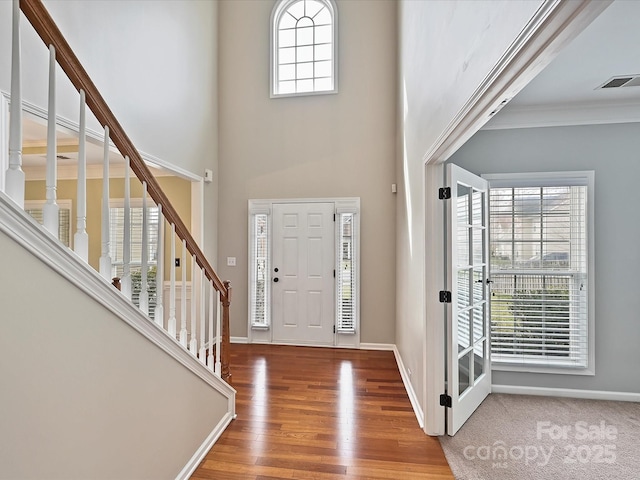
(478, 358)
(463, 289)
(463, 246)
(464, 331)
(478, 285)
(477, 212)
(464, 371)
(478, 250)
(463, 204)
(478, 322)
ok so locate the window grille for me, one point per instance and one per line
(260, 272)
(346, 276)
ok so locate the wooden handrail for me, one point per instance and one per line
(48, 31)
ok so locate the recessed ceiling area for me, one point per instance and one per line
(568, 91)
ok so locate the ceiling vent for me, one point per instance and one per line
(621, 81)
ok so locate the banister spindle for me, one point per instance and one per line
(81, 239)
(172, 285)
(50, 209)
(210, 358)
(126, 238)
(183, 291)
(105, 255)
(202, 354)
(14, 178)
(225, 354)
(159, 313)
(218, 368)
(193, 344)
(144, 260)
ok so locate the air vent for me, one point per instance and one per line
(621, 81)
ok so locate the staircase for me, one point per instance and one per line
(99, 381)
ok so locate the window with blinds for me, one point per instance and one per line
(260, 271)
(34, 208)
(539, 244)
(117, 251)
(346, 276)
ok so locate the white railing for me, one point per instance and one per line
(201, 329)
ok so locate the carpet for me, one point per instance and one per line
(518, 437)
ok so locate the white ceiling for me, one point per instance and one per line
(567, 93)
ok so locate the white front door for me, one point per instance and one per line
(468, 316)
(302, 273)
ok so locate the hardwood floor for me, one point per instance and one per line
(315, 413)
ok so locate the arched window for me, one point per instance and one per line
(303, 47)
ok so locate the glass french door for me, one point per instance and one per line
(468, 315)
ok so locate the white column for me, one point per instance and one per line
(218, 369)
(193, 344)
(172, 285)
(210, 359)
(183, 302)
(14, 179)
(81, 239)
(105, 254)
(159, 313)
(50, 209)
(126, 240)
(144, 269)
(202, 354)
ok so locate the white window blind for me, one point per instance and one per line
(260, 271)
(346, 276)
(303, 47)
(539, 269)
(117, 251)
(34, 208)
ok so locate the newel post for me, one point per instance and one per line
(226, 302)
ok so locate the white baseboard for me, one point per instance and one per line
(413, 398)
(239, 339)
(567, 392)
(377, 346)
(202, 451)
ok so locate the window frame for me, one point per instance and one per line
(279, 9)
(558, 179)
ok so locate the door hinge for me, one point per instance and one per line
(444, 193)
(334, 273)
(445, 400)
(334, 217)
(334, 329)
(445, 296)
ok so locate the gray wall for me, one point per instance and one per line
(340, 145)
(82, 394)
(612, 151)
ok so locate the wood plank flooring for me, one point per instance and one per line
(315, 413)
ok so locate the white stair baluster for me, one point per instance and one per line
(172, 285)
(183, 302)
(81, 239)
(105, 254)
(50, 209)
(126, 238)
(210, 359)
(159, 313)
(144, 269)
(193, 344)
(14, 179)
(218, 369)
(203, 348)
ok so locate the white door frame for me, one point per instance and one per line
(552, 28)
(264, 334)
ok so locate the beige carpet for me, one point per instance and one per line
(516, 437)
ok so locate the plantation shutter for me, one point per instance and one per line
(539, 269)
(346, 275)
(64, 222)
(259, 310)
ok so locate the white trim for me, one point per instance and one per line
(567, 393)
(565, 115)
(19, 226)
(553, 26)
(239, 339)
(4, 138)
(378, 346)
(203, 449)
(413, 398)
